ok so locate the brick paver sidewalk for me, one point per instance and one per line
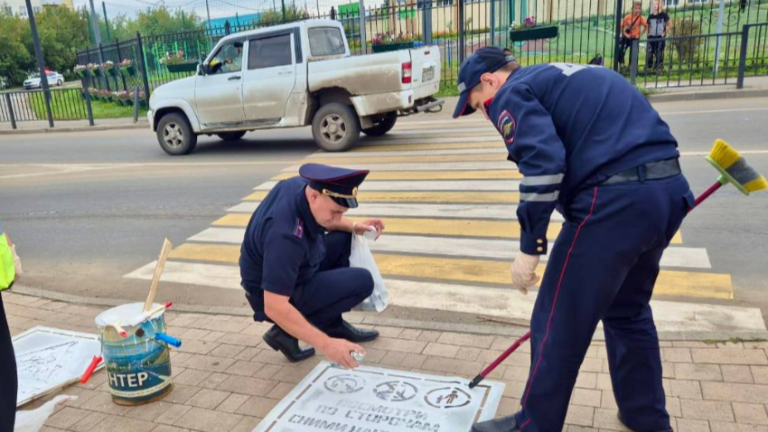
(226, 379)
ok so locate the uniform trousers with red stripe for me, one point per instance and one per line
(603, 267)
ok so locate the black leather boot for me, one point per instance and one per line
(281, 341)
(635, 430)
(502, 424)
(345, 330)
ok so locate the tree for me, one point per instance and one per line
(272, 17)
(62, 32)
(15, 58)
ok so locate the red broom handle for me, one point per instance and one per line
(712, 189)
(499, 360)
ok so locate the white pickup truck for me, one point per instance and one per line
(295, 75)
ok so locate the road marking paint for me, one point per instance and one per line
(669, 282)
(509, 303)
(426, 185)
(682, 257)
(421, 166)
(376, 147)
(409, 152)
(441, 227)
(492, 156)
(508, 174)
(445, 211)
(432, 138)
(439, 197)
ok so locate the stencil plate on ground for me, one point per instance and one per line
(49, 359)
(375, 400)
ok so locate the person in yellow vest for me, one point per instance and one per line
(8, 378)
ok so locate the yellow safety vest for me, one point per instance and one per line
(7, 270)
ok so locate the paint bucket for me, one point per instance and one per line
(138, 366)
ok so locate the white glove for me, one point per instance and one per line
(524, 271)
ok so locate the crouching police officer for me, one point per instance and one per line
(589, 144)
(8, 378)
(294, 264)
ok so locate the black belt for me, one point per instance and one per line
(650, 171)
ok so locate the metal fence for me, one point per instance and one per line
(694, 53)
(585, 29)
(66, 104)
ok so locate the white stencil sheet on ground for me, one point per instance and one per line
(49, 359)
(382, 400)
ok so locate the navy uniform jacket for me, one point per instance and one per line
(284, 245)
(568, 127)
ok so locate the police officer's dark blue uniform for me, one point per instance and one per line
(589, 144)
(287, 252)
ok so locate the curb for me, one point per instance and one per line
(140, 125)
(363, 318)
(708, 95)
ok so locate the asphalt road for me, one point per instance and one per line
(87, 208)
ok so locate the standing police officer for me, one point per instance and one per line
(298, 276)
(590, 145)
(8, 378)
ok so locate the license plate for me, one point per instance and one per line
(428, 74)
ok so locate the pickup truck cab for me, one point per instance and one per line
(294, 75)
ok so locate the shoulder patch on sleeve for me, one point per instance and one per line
(507, 126)
(299, 230)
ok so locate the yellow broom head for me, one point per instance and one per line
(734, 169)
(723, 154)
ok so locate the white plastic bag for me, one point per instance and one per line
(33, 421)
(361, 257)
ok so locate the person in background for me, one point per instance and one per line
(659, 25)
(633, 26)
(8, 379)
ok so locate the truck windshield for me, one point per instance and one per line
(325, 41)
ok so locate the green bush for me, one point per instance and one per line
(687, 48)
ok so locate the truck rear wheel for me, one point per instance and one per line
(382, 127)
(175, 135)
(335, 127)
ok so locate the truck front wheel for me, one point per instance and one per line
(175, 135)
(335, 127)
(381, 128)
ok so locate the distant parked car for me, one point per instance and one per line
(3, 83)
(34, 81)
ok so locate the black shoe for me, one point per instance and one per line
(503, 424)
(345, 330)
(281, 341)
(637, 430)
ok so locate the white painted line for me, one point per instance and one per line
(209, 275)
(421, 166)
(427, 185)
(220, 235)
(681, 257)
(506, 303)
(444, 211)
(441, 139)
(448, 121)
(745, 152)
(467, 129)
(711, 111)
(497, 149)
(509, 303)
